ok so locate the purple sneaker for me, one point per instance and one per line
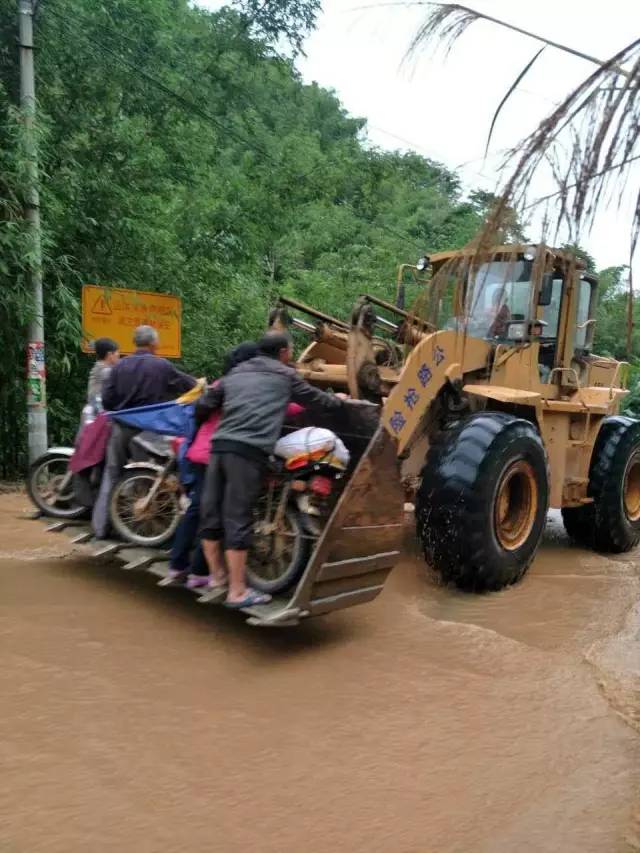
(196, 581)
(174, 577)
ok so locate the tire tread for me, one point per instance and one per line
(450, 513)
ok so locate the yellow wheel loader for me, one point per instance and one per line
(497, 407)
(489, 407)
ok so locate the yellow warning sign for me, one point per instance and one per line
(114, 312)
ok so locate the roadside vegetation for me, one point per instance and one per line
(180, 152)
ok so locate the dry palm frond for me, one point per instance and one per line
(510, 91)
(445, 24)
(586, 146)
(602, 120)
(448, 21)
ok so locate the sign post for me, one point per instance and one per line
(114, 312)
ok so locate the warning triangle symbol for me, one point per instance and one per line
(101, 306)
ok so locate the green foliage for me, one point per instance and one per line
(611, 326)
(581, 253)
(631, 404)
(610, 336)
(180, 154)
(511, 228)
(280, 19)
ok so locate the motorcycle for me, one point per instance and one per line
(148, 500)
(50, 485)
(289, 518)
(59, 488)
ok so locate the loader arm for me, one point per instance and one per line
(442, 357)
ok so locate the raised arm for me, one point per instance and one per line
(178, 382)
(313, 398)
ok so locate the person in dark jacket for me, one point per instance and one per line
(139, 380)
(253, 399)
(144, 378)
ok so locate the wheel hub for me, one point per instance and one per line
(51, 491)
(516, 505)
(631, 490)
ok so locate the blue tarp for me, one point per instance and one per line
(164, 418)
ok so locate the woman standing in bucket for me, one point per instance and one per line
(187, 563)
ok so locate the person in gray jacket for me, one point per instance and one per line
(253, 399)
(107, 356)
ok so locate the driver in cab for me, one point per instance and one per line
(497, 315)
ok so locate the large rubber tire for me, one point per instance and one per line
(138, 482)
(263, 574)
(49, 501)
(611, 524)
(482, 505)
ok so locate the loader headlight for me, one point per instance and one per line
(516, 331)
(422, 263)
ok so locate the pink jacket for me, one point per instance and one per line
(201, 444)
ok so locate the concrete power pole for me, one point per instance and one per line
(36, 373)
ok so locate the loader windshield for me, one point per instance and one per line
(498, 293)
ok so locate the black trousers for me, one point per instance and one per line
(232, 487)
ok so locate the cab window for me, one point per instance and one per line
(582, 314)
(551, 312)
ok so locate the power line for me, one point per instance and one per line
(432, 155)
(191, 106)
(185, 102)
(285, 61)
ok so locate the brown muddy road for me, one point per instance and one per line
(134, 719)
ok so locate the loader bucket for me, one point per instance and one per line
(354, 553)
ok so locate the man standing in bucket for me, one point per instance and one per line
(253, 399)
(139, 380)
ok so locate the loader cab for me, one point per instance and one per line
(496, 300)
(568, 300)
(587, 289)
(521, 297)
(499, 298)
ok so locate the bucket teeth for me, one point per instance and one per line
(107, 548)
(85, 536)
(212, 596)
(159, 571)
(57, 526)
(156, 562)
(141, 563)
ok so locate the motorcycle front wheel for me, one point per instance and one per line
(151, 523)
(50, 487)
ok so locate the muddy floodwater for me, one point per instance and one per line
(134, 719)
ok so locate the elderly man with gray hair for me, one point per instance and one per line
(139, 380)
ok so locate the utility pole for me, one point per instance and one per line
(36, 372)
(630, 323)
